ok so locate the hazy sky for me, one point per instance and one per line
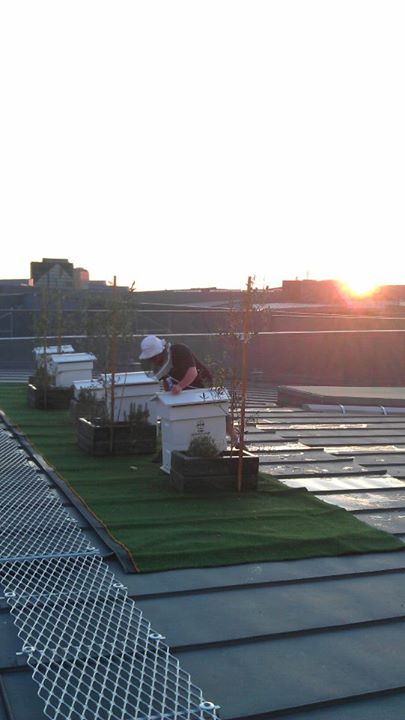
(182, 144)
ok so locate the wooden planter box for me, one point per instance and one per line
(57, 398)
(220, 473)
(94, 438)
(76, 410)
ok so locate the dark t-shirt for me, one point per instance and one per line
(183, 359)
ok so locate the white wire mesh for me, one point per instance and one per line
(10, 451)
(36, 535)
(11, 460)
(33, 522)
(92, 652)
(15, 496)
(93, 655)
(20, 477)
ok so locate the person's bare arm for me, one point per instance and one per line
(187, 380)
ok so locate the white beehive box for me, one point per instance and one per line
(189, 414)
(39, 353)
(65, 368)
(131, 389)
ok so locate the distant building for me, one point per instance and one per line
(97, 285)
(13, 282)
(52, 273)
(312, 291)
(391, 293)
(81, 278)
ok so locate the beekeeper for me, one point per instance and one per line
(173, 363)
(179, 369)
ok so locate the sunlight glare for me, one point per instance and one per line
(360, 287)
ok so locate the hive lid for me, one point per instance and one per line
(62, 359)
(200, 396)
(53, 349)
(129, 378)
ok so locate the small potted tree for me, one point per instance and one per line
(244, 322)
(41, 390)
(203, 467)
(135, 435)
(88, 405)
(103, 433)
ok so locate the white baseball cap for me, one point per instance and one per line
(151, 346)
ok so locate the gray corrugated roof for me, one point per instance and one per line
(318, 638)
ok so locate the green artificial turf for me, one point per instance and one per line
(164, 529)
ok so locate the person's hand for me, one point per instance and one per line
(176, 389)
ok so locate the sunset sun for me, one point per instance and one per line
(360, 286)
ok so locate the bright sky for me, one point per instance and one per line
(177, 143)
